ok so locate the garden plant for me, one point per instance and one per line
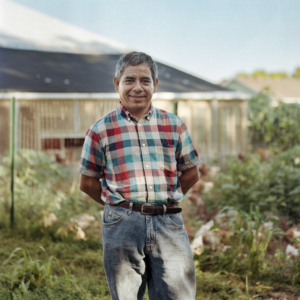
(54, 250)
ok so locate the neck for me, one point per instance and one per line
(137, 114)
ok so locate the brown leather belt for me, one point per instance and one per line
(151, 209)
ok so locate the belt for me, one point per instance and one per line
(151, 209)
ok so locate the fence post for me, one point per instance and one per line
(215, 107)
(12, 154)
(175, 107)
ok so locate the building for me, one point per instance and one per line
(279, 89)
(61, 77)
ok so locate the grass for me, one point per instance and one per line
(78, 273)
(50, 263)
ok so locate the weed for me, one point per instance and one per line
(29, 273)
(255, 237)
(246, 246)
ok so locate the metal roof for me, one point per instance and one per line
(54, 72)
(24, 28)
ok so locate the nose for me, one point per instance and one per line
(137, 87)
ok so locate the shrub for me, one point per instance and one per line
(273, 126)
(246, 246)
(41, 187)
(272, 185)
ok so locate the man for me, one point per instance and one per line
(146, 161)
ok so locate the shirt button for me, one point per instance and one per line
(147, 166)
(150, 187)
(128, 119)
(148, 118)
(140, 124)
(143, 145)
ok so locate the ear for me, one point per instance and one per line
(116, 83)
(155, 85)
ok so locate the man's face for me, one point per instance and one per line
(136, 88)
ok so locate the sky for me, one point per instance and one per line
(212, 39)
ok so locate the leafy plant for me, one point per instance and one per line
(273, 185)
(29, 273)
(271, 126)
(42, 188)
(37, 182)
(255, 237)
(246, 246)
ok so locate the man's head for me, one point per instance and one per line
(134, 59)
(136, 81)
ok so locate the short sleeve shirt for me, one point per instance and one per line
(138, 161)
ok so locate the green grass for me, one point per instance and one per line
(81, 260)
(84, 276)
(78, 273)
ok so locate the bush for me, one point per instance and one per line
(272, 185)
(273, 126)
(246, 245)
(41, 187)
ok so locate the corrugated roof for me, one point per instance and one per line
(40, 71)
(25, 28)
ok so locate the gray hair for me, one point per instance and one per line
(135, 59)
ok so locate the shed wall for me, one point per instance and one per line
(217, 127)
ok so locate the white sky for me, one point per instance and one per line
(213, 39)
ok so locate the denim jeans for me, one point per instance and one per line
(153, 250)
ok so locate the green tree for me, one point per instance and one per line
(260, 73)
(297, 73)
(279, 75)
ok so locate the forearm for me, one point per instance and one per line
(188, 179)
(185, 186)
(95, 193)
(93, 189)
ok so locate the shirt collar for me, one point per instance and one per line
(126, 114)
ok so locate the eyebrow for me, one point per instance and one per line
(130, 77)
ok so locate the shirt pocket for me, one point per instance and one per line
(164, 155)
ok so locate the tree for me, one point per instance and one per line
(297, 73)
(265, 74)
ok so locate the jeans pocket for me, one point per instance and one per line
(113, 214)
(175, 219)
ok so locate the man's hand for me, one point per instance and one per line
(92, 187)
(188, 178)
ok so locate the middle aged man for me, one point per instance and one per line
(147, 162)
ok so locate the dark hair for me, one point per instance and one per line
(135, 59)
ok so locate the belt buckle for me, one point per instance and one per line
(142, 208)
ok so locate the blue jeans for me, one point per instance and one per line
(147, 249)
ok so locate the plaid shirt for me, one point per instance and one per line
(138, 161)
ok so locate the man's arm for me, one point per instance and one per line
(92, 187)
(188, 178)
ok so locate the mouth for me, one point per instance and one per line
(136, 97)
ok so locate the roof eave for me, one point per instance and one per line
(219, 95)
